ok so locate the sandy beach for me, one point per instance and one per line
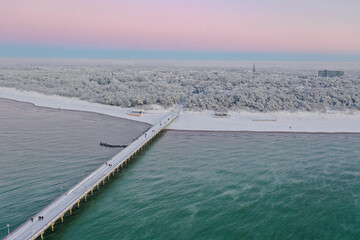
(306, 122)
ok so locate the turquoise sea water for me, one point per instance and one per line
(198, 185)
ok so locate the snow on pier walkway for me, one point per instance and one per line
(55, 211)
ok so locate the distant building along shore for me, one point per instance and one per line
(326, 73)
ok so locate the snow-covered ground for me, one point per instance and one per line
(205, 121)
(59, 102)
(269, 122)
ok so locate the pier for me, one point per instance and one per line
(64, 204)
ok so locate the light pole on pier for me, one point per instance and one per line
(61, 189)
(8, 226)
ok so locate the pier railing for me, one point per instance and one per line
(57, 209)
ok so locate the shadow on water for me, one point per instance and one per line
(251, 186)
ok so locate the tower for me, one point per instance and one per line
(254, 70)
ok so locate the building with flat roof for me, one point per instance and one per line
(326, 73)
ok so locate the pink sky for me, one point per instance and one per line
(323, 26)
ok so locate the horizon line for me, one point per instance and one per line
(77, 52)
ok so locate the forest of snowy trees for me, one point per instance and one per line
(196, 88)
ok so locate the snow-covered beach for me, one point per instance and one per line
(307, 122)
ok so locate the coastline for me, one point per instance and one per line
(75, 104)
(242, 121)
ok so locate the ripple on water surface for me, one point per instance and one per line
(230, 186)
(190, 185)
(42, 150)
